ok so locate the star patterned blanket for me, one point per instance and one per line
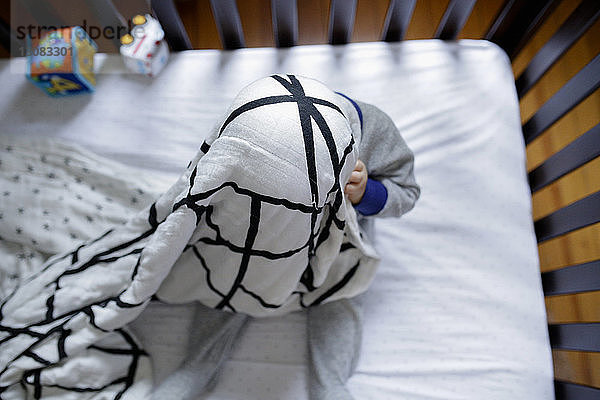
(258, 223)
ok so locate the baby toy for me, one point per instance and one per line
(61, 62)
(144, 50)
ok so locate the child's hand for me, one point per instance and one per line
(355, 188)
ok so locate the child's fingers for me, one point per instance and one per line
(349, 188)
(360, 166)
(355, 187)
(356, 177)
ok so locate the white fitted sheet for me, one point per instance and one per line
(456, 310)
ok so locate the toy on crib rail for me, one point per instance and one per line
(144, 51)
(61, 62)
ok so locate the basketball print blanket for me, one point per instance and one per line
(258, 223)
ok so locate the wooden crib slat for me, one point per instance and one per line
(572, 93)
(573, 391)
(574, 186)
(454, 19)
(516, 23)
(577, 215)
(7, 38)
(228, 23)
(574, 279)
(5, 35)
(108, 15)
(573, 28)
(546, 30)
(370, 20)
(481, 18)
(43, 13)
(341, 21)
(257, 22)
(175, 32)
(131, 8)
(580, 367)
(580, 337)
(573, 308)
(577, 247)
(285, 22)
(397, 19)
(580, 151)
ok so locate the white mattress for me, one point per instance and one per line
(456, 310)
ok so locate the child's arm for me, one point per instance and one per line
(389, 161)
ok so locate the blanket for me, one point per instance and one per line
(257, 224)
(55, 197)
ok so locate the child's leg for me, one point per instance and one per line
(212, 338)
(334, 339)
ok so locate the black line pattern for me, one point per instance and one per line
(56, 324)
(307, 113)
(55, 327)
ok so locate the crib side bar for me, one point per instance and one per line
(577, 337)
(577, 153)
(398, 17)
(229, 23)
(341, 21)
(573, 391)
(5, 35)
(454, 18)
(8, 39)
(578, 278)
(571, 30)
(517, 21)
(108, 15)
(572, 93)
(43, 12)
(285, 22)
(175, 32)
(576, 215)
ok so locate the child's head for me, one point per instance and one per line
(268, 192)
(292, 135)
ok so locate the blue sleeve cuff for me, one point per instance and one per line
(374, 198)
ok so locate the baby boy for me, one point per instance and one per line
(381, 184)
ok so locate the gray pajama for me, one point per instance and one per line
(334, 329)
(213, 335)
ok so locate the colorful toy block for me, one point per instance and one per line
(61, 62)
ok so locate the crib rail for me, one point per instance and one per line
(569, 233)
(570, 95)
(580, 279)
(576, 25)
(285, 22)
(175, 32)
(517, 22)
(577, 153)
(574, 279)
(397, 20)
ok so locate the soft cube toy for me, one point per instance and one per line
(145, 51)
(61, 62)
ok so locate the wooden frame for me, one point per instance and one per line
(512, 29)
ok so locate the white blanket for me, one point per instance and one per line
(268, 193)
(54, 197)
(255, 225)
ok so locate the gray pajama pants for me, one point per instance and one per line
(334, 332)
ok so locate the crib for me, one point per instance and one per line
(564, 184)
